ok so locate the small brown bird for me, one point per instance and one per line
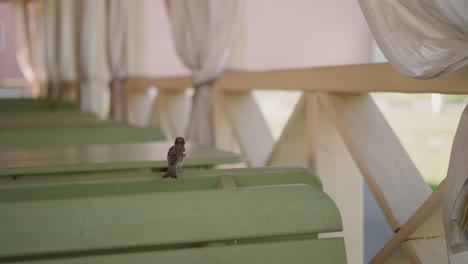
(175, 158)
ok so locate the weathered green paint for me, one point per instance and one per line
(317, 251)
(133, 182)
(105, 157)
(79, 135)
(45, 115)
(48, 119)
(165, 218)
(31, 105)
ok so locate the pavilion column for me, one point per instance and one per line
(203, 32)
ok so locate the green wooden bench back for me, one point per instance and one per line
(77, 135)
(79, 185)
(259, 219)
(31, 105)
(47, 119)
(323, 251)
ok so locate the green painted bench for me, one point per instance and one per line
(21, 162)
(48, 119)
(262, 215)
(32, 105)
(77, 135)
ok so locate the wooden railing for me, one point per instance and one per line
(337, 130)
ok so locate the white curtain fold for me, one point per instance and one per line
(116, 37)
(203, 31)
(67, 42)
(51, 45)
(67, 89)
(27, 46)
(420, 38)
(91, 52)
(425, 39)
(456, 188)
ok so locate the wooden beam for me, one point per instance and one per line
(428, 251)
(166, 83)
(394, 180)
(426, 222)
(224, 135)
(14, 83)
(250, 128)
(170, 112)
(342, 181)
(345, 79)
(290, 148)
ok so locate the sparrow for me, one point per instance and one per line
(175, 158)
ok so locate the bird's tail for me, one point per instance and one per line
(171, 172)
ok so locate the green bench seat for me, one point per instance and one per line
(77, 185)
(47, 119)
(323, 251)
(32, 105)
(77, 135)
(264, 215)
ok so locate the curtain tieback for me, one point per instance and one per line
(200, 84)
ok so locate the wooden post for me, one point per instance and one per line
(171, 112)
(342, 181)
(250, 128)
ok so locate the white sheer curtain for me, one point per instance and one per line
(420, 38)
(425, 39)
(116, 35)
(58, 48)
(27, 48)
(65, 42)
(203, 31)
(91, 52)
(136, 59)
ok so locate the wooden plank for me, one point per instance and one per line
(399, 257)
(427, 251)
(77, 135)
(14, 83)
(361, 78)
(32, 105)
(323, 251)
(393, 179)
(105, 157)
(290, 147)
(95, 184)
(342, 181)
(223, 133)
(171, 112)
(94, 223)
(425, 223)
(175, 83)
(311, 129)
(47, 119)
(249, 126)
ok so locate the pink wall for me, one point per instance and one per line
(8, 66)
(280, 34)
(306, 33)
(163, 58)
